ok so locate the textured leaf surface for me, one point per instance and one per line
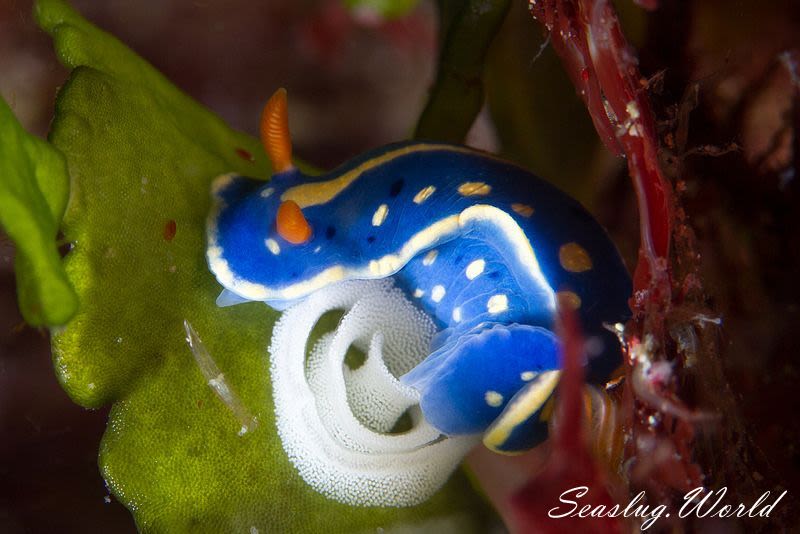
(141, 156)
(385, 8)
(34, 186)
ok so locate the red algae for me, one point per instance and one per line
(660, 425)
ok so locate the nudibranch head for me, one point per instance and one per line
(259, 243)
(261, 247)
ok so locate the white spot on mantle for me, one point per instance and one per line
(527, 376)
(273, 246)
(437, 293)
(423, 195)
(469, 189)
(493, 399)
(497, 304)
(430, 257)
(475, 268)
(380, 215)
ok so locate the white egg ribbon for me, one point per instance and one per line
(335, 422)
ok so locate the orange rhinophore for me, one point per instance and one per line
(292, 224)
(275, 132)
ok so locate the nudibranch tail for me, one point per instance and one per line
(275, 132)
(464, 389)
(524, 420)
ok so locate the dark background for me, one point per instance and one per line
(356, 82)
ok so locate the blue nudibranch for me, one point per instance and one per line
(486, 248)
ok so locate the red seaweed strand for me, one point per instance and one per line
(587, 36)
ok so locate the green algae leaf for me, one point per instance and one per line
(142, 156)
(34, 186)
(457, 95)
(388, 9)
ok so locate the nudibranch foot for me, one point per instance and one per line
(467, 382)
(335, 423)
(229, 298)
